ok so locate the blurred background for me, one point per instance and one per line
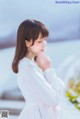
(63, 47)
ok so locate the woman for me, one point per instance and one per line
(36, 78)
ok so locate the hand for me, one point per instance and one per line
(43, 61)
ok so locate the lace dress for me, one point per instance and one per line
(41, 90)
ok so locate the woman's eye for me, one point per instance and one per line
(39, 41)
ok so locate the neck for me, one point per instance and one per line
(30, 56)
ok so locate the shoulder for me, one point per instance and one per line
(25, 63)
(22, 63)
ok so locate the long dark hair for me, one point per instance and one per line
(28, 30)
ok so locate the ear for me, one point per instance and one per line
(28, 43)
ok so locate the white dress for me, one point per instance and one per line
(41, 90)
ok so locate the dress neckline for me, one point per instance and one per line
(33, 62)
(29, 60)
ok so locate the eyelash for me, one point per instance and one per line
(39, 41)
(42, 41)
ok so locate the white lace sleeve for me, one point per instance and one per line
(38, 86)
(56, 83)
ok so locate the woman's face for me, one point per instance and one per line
(39, 45)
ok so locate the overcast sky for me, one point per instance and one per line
(55, 16)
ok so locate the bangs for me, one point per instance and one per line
(34, 28)
(42, 29)
(44, 32)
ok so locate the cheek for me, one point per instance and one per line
(36, 48)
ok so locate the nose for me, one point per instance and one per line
(44, 43)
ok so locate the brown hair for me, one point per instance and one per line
(28, 30)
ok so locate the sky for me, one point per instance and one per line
(59, 18)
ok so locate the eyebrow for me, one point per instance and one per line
(41, 39)
(45, 38)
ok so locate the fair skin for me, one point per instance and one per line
(43, 61)
(38, 49)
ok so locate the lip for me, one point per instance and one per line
(42, 50)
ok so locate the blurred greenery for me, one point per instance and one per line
(73, 92)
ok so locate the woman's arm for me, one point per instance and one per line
(37, 85)
(56, 83)
(50, 75)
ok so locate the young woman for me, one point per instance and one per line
(36, 77)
